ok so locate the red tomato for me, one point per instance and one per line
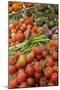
(20, 36)
(17, 66)
(23, 85)
(43, 81)
(30, 81)
(35, 28)
(17, 55)
(30, 70)
(38, 57)
(13, 39)
(21, 77)
(54, 77)
(12, 69)
(16, 23)
(13, 84)
(29, 27)
(44, 53)
(51, 84)
(10, 41)
(37, 67)
(37, 50)
(23, 27)
(48, 72)
(55, 56)
(12, 60)
(30, 57)
(28, 21)
(37, 76)
(55, 68)
(49, 61)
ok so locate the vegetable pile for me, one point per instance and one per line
(33, 45)
(17, 6)
(38, 68)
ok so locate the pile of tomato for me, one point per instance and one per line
(38, 68)
(21, 30)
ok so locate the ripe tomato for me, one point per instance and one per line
(44, 53)
(43, 81)
(35, 28)
(17, 55)
(13, 84)
(37, 67)
(37, 50)
(28, 21)
(30, 70)
(48, 72)
(55, 68)
(12, 60)
(23, 27)
(12, 69)
(37, 76)
(20, 36)
(17, 66)
(16, 23)
(30, 57)
(49, 61)
(23, 85)
(55, 56)
(54, 77)
(50, 83)
(21, 77)
(38, 57)
(29, 27)
(30, 81)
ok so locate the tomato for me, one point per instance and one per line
(38, 57)
(12, 60)
(30, 70)
(13, 30)
(16, 23)
(50, 84)
(37, 50)
(30, 81)
(17, 55)
(12, 69)
(21, 77)
(37, 67)
(28, 21)
(48, 72)
(54, 77)
(11, 26)
(17, 66)
(23, 27)
(10, 41)
(21, 70)
(49, 61)
(23, 85)
(43, 81)
(30, 57)
(37, 76)
(35, 28)
(44, 53)
(13, 84)
(20, 36)
(13, 39)
(55, 68)
(55, 56)
(53, 43)
(29, 27)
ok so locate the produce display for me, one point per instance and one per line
(17, 6)
(33, 45)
